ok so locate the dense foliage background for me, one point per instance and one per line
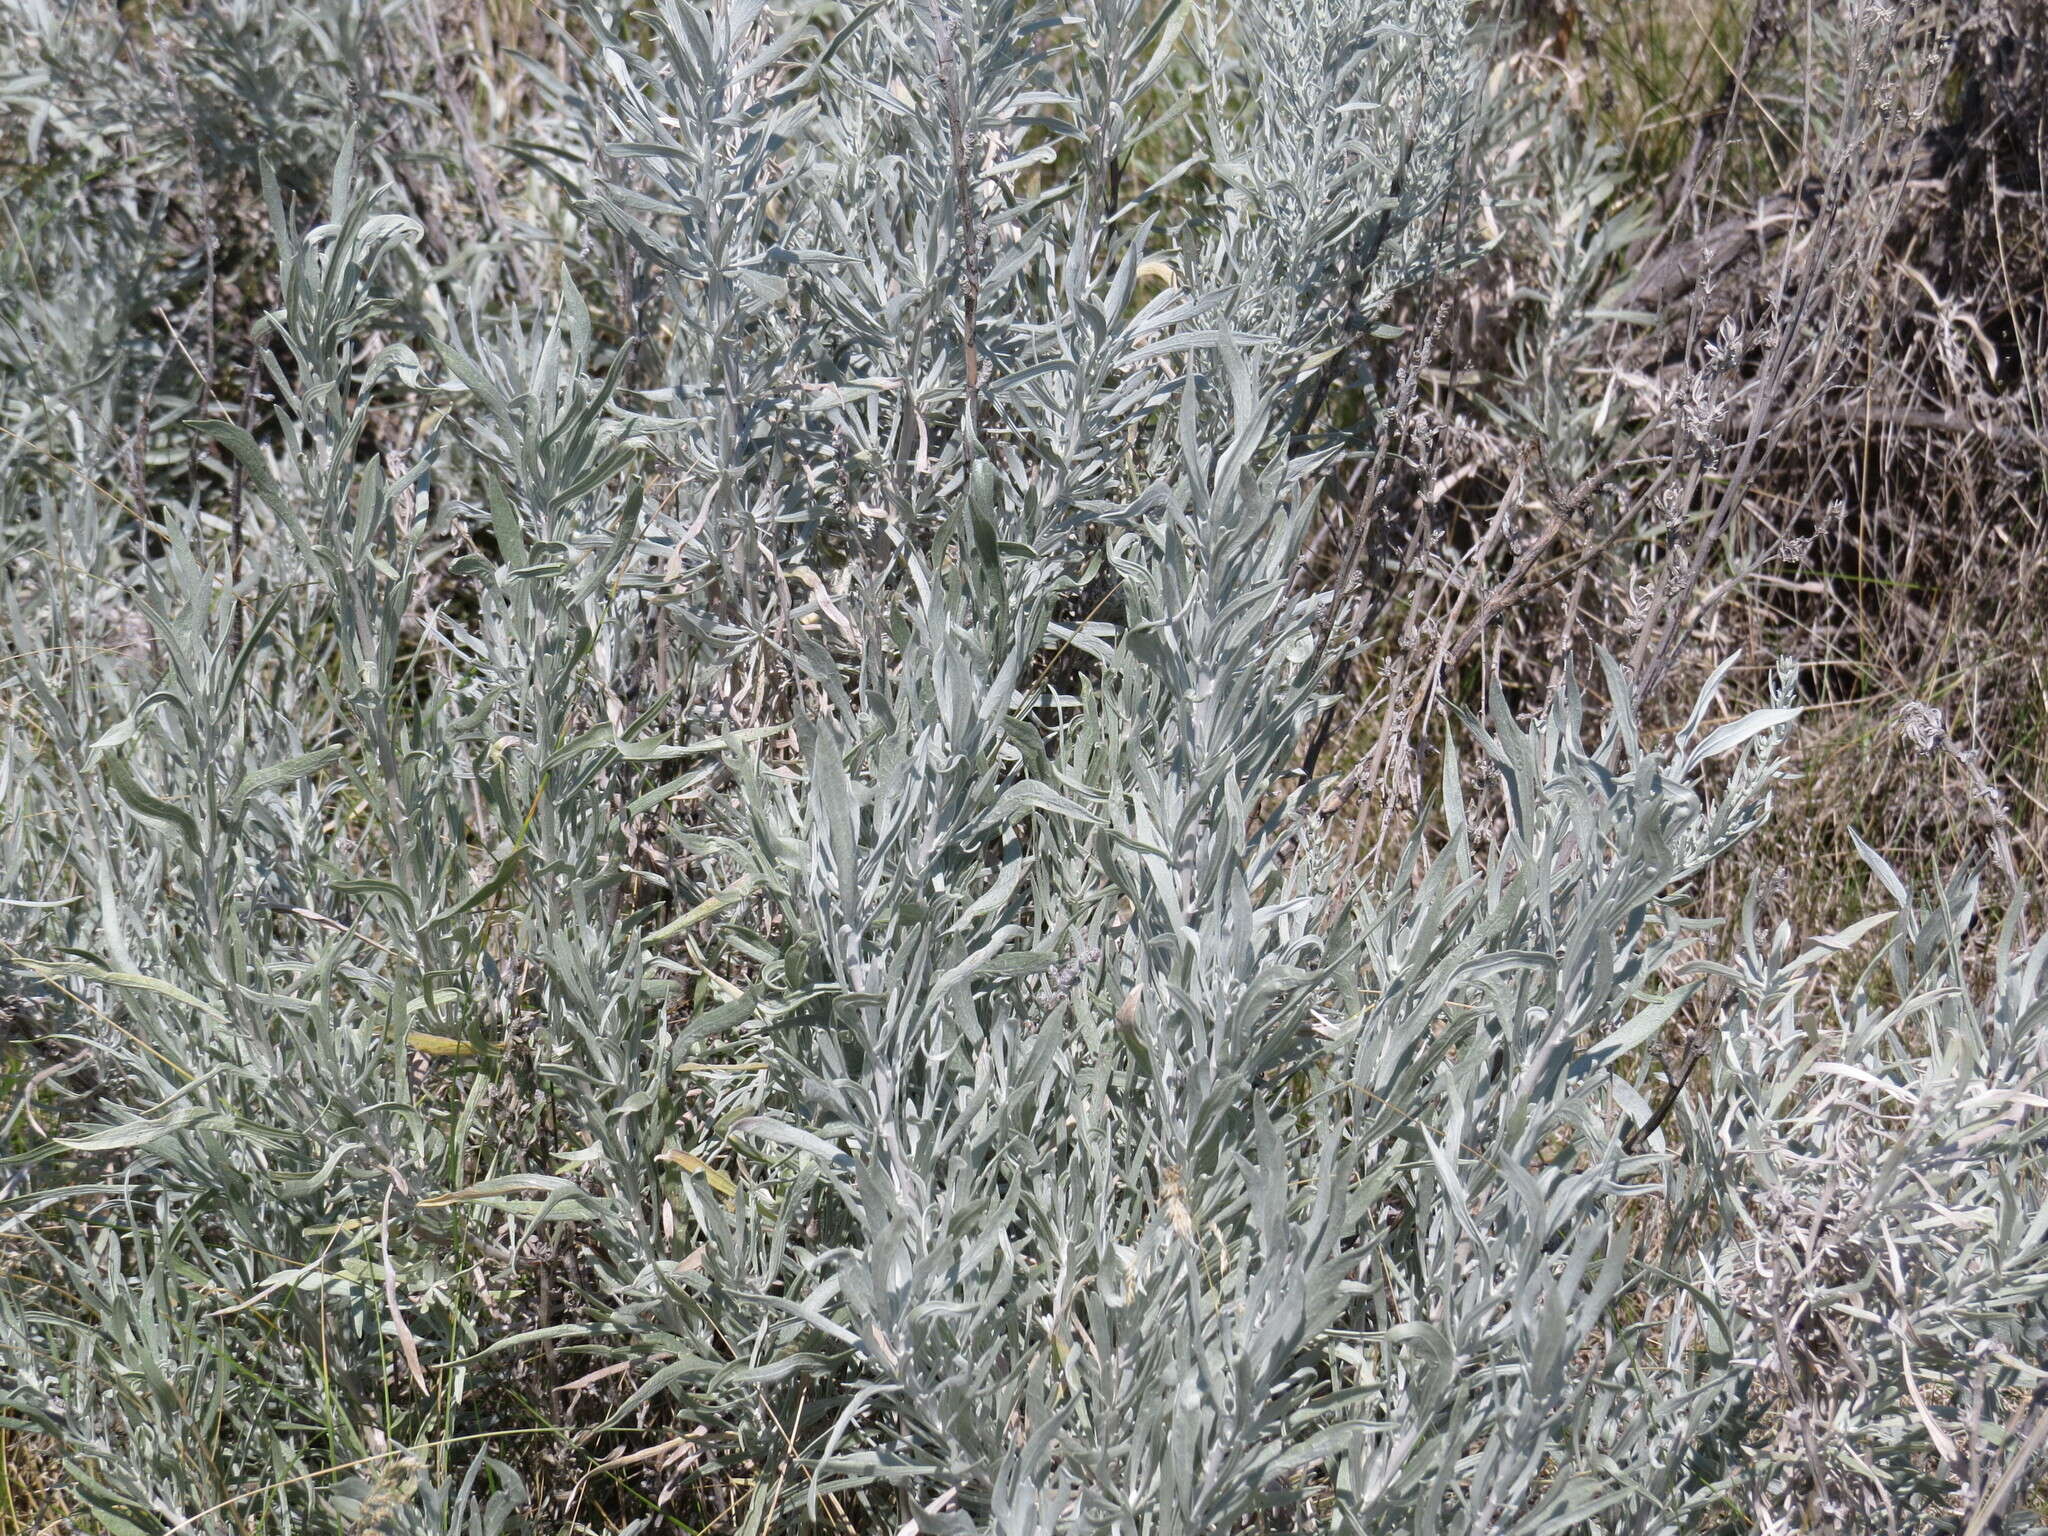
(968, 766)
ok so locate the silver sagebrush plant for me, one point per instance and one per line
(655, 876)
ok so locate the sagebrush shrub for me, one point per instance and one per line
(658, 870)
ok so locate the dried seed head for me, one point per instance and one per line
(1922, 726)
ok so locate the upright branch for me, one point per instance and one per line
(952, 95)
